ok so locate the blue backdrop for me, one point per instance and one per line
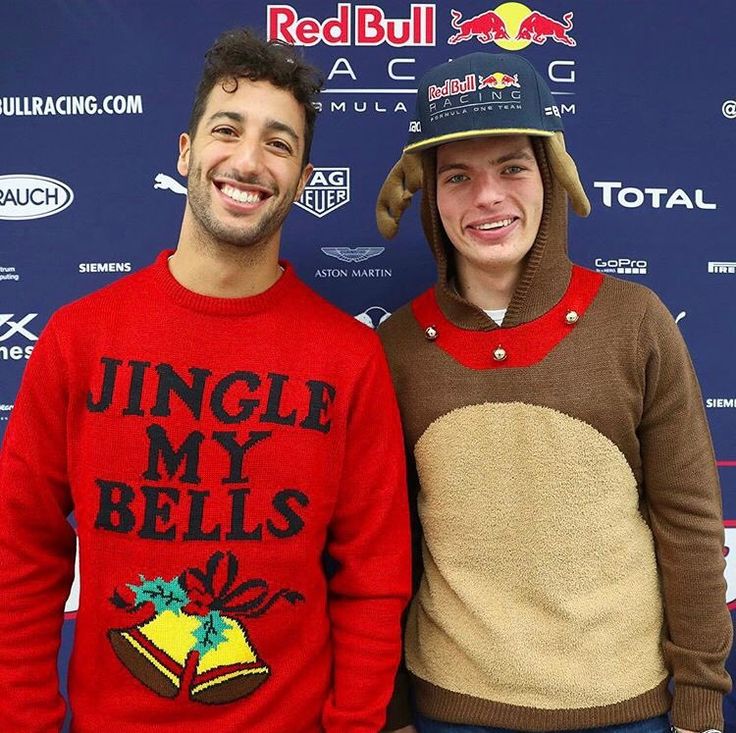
(94, 93)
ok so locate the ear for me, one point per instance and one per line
(306, 173)
(402, 182)
(182, 164)
(566, 172)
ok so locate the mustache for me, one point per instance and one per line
(249, 180)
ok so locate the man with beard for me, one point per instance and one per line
(571, 528)
(213, 429)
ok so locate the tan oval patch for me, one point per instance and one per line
(540, 584)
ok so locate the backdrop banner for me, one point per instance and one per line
(94, 94)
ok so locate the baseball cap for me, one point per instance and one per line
(481, 94)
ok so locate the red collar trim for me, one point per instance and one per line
(523, 345)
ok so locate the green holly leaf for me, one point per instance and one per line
(209, 634)
(166, 595)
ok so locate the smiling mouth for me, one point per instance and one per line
(248, 193)
(242, 197)
(487, 226)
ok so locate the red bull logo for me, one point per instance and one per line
(512, 26)
(487, 27)
(451, 87)
(537, 28)
(353, 25)
(499, 80)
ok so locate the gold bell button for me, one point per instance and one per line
(431, 333)
(572, 317)
(499, 354)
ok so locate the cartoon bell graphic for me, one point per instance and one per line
(194, 638)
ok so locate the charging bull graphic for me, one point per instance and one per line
(538, 28)
(190, 632)
(487, 27)
(499, 80)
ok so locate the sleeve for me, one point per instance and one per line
(683, 498)
(36, 545)
(369, 539)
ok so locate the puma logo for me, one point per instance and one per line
(167, 183)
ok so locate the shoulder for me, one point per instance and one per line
(318, 310)
(336, 330)
(110, 296)
(400, 327)
(626, 290)
(403, 340)
(631, 301)
(654, 326)
(100, 309)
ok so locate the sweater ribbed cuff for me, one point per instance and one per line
(697, 708)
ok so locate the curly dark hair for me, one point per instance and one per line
(241, 54)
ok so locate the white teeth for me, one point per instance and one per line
(243, 197)
(495, 224)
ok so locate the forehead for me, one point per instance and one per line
(257, 101)
(483, 148)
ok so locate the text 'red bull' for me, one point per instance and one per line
(452, 87)
(366, 25)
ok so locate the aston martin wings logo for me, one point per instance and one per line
(353, 254)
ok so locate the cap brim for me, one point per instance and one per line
(468, 134)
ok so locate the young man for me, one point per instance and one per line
(566, 487)
(213, 427)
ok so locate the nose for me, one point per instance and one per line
(488, 190)
(247, 157)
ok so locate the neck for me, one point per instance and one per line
(487, 289)
(222, 270)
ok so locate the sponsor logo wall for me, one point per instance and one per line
(16, 337)
(327, 190)
(89, 190)
(32, 197)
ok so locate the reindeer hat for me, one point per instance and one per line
(478, 95)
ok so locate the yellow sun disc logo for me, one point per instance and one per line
(513, 14)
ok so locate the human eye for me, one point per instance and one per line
(281, 145)
(224, 131)
(457, 178)
(514, 169)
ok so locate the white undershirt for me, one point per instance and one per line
(496, 316)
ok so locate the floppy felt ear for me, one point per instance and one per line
(565, 171)
(403, 181)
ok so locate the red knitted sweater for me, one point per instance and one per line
(211, 450)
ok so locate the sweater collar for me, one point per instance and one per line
(165, 281)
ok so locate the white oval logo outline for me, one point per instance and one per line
(28, 176)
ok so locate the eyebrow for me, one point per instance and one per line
(520, 154)
(271, 124)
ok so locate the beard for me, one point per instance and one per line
(250, 233)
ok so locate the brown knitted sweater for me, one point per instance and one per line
(569, 502)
